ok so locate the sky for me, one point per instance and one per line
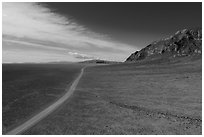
(47, 32)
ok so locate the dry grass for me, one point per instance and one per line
(145, 98)
(29, 88)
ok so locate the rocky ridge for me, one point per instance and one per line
(187, 42)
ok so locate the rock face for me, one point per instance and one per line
(186, 42)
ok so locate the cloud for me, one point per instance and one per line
(81, 56)
(40, 26)
(19, 56)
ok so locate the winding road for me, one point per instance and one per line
(35, 119)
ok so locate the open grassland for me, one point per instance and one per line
(29, 88)
(137, 98)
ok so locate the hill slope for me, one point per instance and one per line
(186, 42)
(132, 98)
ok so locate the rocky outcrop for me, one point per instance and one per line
(186, 42)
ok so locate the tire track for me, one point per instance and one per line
(35, 119)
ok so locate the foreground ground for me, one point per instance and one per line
(29, 88)
(136, 98)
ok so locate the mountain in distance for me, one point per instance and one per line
(187, 42)
(98, 61)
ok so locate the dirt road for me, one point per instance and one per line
(48, 110)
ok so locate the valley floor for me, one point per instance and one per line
(28, 89)
(165, 98)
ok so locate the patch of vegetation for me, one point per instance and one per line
(132, 98)
(29, 88)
